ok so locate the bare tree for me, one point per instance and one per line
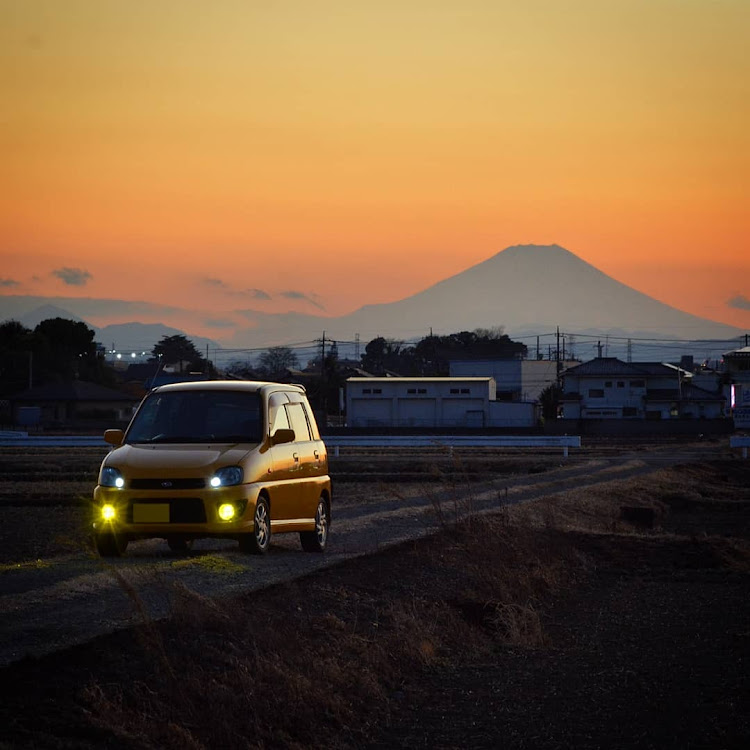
(276, 360)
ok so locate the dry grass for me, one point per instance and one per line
(316, 664)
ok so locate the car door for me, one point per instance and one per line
(305, 499)
(285, 464)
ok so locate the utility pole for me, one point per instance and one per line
(557, 356)
(630, 350)
(323, 378)
(356, 346)
(537, 348)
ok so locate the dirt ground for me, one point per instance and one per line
(557, 625)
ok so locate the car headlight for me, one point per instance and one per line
(227, 477)
(111, 477)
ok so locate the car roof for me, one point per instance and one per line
(249, 386)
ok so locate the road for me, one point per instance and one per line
(72, 599)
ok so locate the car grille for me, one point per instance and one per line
(189, 483)
(181, 509)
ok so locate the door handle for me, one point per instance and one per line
(317, 455)
(295, 456)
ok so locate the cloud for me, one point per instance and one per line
(215, 282)
(8, 283)
(73, 276)
(740, 301)
(258, 294)
(219, 323)
(293, 294)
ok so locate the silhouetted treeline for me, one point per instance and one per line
(57, 350)
(431, 356)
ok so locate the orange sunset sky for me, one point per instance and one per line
(321, 155)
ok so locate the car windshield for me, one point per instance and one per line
(198, 417)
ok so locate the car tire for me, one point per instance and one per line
(257, 542)
(316, 541)
(110, 544)
(178, 545)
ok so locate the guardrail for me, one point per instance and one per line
(24, 440)
(740, 441)
(453, 441)
(336, 442)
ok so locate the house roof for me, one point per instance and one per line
(372, 380)
(75, 390)
(613, 367)
(738, 353)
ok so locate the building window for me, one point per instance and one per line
(620, 383)
(366, 390)
(596, 393)
(637, 383)
(377, 390)
(421, 390)
(411, 390)
(629, 411)
(454, 390)
(608, 384)
(465, 390)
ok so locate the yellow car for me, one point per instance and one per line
(228, 459)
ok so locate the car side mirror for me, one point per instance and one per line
(114, 437)
(282, 436)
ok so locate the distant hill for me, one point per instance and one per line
(143, 336)
(33, 318)
(30, 311)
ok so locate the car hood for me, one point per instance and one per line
(167, 460)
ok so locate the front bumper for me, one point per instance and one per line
(146, 513)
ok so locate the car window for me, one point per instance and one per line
(197, 416)
(277, 418)
(298, 421)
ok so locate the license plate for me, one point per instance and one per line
(151, 513)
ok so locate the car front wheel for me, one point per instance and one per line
(110, 544)
(315, 541)
(259, 540)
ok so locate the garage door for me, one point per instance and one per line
(416, 412)
(370, 412)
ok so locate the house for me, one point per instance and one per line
(737, 371)
(431, 402)
(608, 388)
(516, 379)
(74, 402)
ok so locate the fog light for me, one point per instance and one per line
(227, 511)
(108, 512)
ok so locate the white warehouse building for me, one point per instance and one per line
(432, 402)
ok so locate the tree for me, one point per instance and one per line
(549, 398)
(433, 353)
(65, 349)
(276, 360)
(242, 368)
(16, 357)
(383, 355)
(178, 350)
